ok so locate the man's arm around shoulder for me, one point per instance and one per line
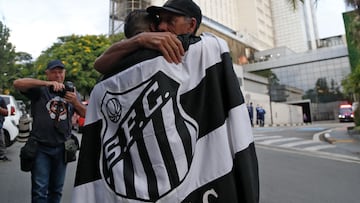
(165, 42)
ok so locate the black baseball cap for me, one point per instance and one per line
(182, 7)
(54, 64)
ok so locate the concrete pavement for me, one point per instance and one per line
(343, 139)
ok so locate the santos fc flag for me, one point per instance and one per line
(160, 132)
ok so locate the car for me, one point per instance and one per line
(346, 113)
(11, 131)
(14, 110)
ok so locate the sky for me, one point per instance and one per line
(35, 24)
(329, 17)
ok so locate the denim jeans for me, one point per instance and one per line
(48, 175)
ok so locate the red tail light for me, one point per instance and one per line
(12, 111)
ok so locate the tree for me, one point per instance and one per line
(78, 53)
(295, 3)
(352, 28)
(7, 59)
(353, 3)
(322, 93)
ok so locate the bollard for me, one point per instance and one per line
(24, 128)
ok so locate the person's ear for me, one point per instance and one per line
(192, 27)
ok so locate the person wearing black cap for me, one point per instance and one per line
(176, 17)
(51, 127)
(174, 14)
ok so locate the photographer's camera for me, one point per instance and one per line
(69, 87)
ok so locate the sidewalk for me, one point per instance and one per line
(347, 135)
(344, 139)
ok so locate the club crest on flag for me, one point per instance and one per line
(148, 140)
(113, 109)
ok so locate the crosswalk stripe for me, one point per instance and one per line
(279, 140)
(318, 147)
(266, 137)
(293, 144)
(311, 146)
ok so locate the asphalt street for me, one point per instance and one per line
(15, 184)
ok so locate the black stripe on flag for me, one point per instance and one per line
(148, 168)
(165, 149)
(88, 168)
(210, 102)
(184, 134)
(239, 185)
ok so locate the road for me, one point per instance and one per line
(290, 176)
(308, 139)
(289, 171)
(15, 185)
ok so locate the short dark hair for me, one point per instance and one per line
(137, 21)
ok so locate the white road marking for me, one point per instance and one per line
(266, 137)
(319, 147)
(293, 144)
(279, 140)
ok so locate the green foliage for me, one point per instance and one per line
(78, 53)
(351, 83)
(7, 60)
(116, 37)
(352, 27)
(357, 116)
(322, 93)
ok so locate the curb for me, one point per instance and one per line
(283, 125)
(353, 133)
(325, 136)
(320, 136)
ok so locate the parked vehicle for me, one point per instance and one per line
(14, 110)
(11, 131)
(346, 113)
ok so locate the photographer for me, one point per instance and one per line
(53, 103)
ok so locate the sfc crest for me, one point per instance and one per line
(148, 139)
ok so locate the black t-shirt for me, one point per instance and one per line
(51, 116)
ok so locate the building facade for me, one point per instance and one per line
(295, 29)
(312, 72)
(270, 35)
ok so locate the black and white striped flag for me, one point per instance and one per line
(160, 132)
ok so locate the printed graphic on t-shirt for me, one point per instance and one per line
(57, 108)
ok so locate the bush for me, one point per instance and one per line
(357, 116)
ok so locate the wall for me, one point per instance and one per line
(261, 100)
(282, 114)
(286, 114)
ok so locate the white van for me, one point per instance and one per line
(14, 111)
(11, 131)
(10, 126)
